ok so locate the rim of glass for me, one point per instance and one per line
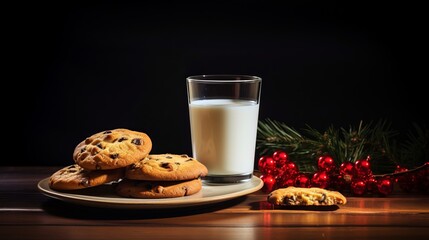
(223, 78)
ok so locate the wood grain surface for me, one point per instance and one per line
(25, 213)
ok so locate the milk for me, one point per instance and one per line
(223, 134)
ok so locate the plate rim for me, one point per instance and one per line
(112, 202)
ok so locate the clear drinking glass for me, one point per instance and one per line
(223, 111)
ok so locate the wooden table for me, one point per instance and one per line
(25, 213)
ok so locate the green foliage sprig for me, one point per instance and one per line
(374, 140)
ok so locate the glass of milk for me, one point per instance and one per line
(223, 111)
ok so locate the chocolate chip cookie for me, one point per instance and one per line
(305, 196)
(158, 189)
(166, 167)
(112, 149)
(75, 177)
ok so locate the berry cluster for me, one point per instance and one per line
(278, 171)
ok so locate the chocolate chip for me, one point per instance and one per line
(289, 201)
(190, 159)
(177, 163)
(85, 182)
(122, 139)
(186, 190)
(82, 149)
(167, 166)
(169, 157)
(323, 198)
(184, 156)
(114, 155)
(99, 145)
(137, 141)
(107, 132)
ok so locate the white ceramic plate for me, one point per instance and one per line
(104, 196)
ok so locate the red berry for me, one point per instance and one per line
(320, 179)
(358, 187)
(280, 155)
(400, 169)
(269, 183)
(371, 185)
(341, 182)
(287, 182)
(326, 163)
(406, 181)
(363, 168)
(303, 181)
(291, 167)
(270, 163)
(266, 164)
(289, 170)
(261, 163)
(346, 168)
(385, 186)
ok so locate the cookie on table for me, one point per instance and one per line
(158, 189)
(112, 149)
(305, 196)
(75, 177)
(166, 167)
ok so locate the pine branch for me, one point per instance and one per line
(415, 150)
(357, 142)
(274, 135)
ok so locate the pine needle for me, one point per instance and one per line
(374, 140)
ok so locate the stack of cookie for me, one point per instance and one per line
(162, 176)
(122, 155)
(102, 158)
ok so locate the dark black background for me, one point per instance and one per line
(85, 67)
